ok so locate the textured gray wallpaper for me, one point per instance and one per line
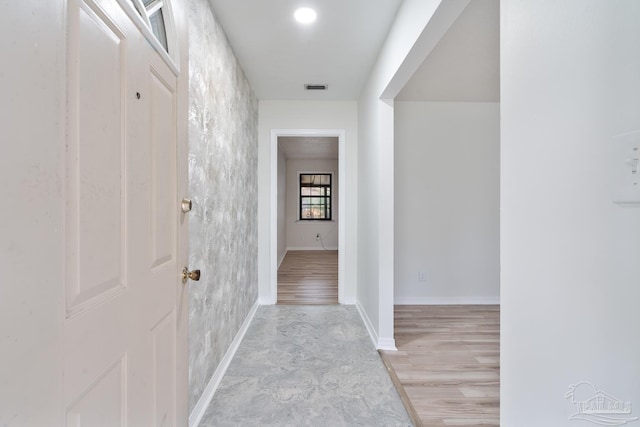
(223, 167)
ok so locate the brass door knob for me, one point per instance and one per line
(186, 205)
(193, 275)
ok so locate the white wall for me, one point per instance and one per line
(447, 179)
(368, 224)
(570, 258)
(282, 206)
(32, 223)
(412, 36)
(308, 115)
(301, 235)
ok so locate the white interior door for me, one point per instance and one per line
(123, 364)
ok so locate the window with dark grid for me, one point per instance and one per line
(315, 196)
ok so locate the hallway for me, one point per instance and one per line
(487, 154)
(306, 365)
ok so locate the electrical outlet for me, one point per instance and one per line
(422, 276)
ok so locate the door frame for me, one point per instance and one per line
(273, 239)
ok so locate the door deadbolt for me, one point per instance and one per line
(193, 275)
(186, 205)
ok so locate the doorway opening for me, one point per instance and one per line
(307, 216)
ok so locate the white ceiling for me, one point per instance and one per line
(279, 55)
(307, 147)
(465, 65)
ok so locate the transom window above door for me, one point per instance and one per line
(157, 17)
(315, 196)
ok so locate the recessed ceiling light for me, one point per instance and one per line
(305, 15)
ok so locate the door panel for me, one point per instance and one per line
(163, 153)
(103, 403)
(122, 213)
(164, 362)
(96, 137)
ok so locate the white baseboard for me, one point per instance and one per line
(387, 344)
(367, 323)
(201, 406)
(378, 343)
(312, 248)
(447, 301)
(266, 301)
(282, 258)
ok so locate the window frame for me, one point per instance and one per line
(140, 15)
(328, 198)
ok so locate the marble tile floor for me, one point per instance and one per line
(306, 366)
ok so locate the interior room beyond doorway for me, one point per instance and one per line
(307, 219)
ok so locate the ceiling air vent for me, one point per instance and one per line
(315, 87)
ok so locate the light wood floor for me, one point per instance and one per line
(308, 277)
(448, 362)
